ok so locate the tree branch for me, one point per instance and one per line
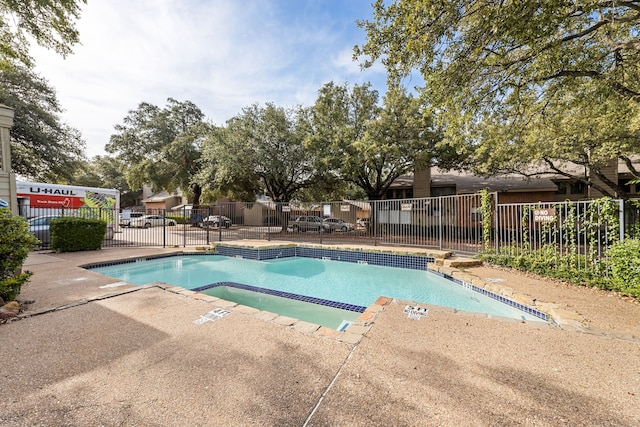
(630, 165)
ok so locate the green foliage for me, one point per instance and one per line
(42, 146)
(162, 146)
(546, 261)
(103, 172)
(16, 241)
(72, 234)
(558, 254)
(261, 150)
(521, 81)
(624, 262)
(368, 145)
(486, 205)
(49, 22)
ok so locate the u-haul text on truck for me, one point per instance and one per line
(37, 199)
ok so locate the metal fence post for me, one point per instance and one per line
(440, 215)
(496, 220)
(621, 220)
(164, 228)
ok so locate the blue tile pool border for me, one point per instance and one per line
(297, 297)
(414, 262)
(385, 259)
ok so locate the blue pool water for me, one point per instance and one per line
(330, 280)
(330, 317)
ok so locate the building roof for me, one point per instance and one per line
(160, 196)
(365, 206)
(469, 183)
(181, 207)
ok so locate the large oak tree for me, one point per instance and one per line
(161, 146)
(42, 146)
(522, 83)
(260, 151)
(371, 145)
(51, 23)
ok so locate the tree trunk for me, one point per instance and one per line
(197, 192)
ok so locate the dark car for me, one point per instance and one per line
(308, 223)
(215, 220)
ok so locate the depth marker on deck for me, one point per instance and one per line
(415, 312)
(211, 316)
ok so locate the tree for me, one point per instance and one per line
(42, 147)
(162, 146)
(259, 151)
(106, 172)
(505, 75)
(49, 22)
(369, 145)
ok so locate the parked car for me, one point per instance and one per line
(362, 223)
(213, 221)
(309, 223)
(132, 215)
(337, 224)
(148, 221)
(40, 227)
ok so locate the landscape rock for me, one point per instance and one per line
(11, 306)
(4, 314)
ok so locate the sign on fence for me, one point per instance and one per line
(544, 215)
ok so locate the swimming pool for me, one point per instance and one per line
(359, 284)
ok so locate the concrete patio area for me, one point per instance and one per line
(87, 353)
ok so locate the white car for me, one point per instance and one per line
(148, 221)
(127, 222)
(336, 224)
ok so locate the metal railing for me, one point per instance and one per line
(451, 223)
(570, 232)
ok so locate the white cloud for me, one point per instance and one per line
(221, 55)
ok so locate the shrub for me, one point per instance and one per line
(16, 241)
(72, 234)
(547, 261)
(624, 262)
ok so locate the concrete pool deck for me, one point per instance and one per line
(86, 354)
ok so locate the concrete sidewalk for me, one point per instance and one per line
(136, 356)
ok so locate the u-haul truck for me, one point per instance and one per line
(37, 198)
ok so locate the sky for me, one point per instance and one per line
(222, 55)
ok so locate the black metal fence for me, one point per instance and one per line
(453, 223)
